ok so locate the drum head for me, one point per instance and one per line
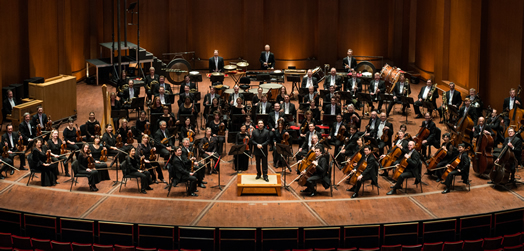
(365, 66)
(271, 86)
(181, 68)
(255, 90)
(230, 91)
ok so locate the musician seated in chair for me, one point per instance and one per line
(335, 134)
(10, 139)
(320, 174)
(426, 94)
(401, 143)
(352, 117)
(187, 82)
(308, 141)
(354, 85)
(309, 80)
(451, 155)
(468, 110)
(167, 87)
(476, 103)
(432, 138)
(412, 169)
(462, 168)
(452, 97)
(384, 133)
(132, 168)
(352, 144)
(181, 172)
(370, 173)
(513, 144)
(494, 121)
(376, 87)
(402, 89)
(333, 80)
(511, 102)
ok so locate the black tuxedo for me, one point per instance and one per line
(412, 170)
(327, 109)
(433, 101)
(12, 147)
(292, 109)
(161, 148)
(240, 95)
(328, 82)
(352, 145)
(506, 107)
(373, 131)
(457, 98)
(266, 108)
(380, 86)
(167, 88)
(313, 80)
(334, 139)
(136, 93)
(382, 144)
(270, 61)
(349, 85)
(517, 150)
(208, 98)
(36, 120)
(370, 173)
(494, 124)
(320, 175)
(263, 138)
(26, 132)
(471, 113)
(183, 85)
(182, 173)
(317, 99)
(271, 119)
(7, 108)
(398, 94)
(149, 79)
(182, 98)
(213, 66)
(327, 98)
(346, 61)
(478, 131)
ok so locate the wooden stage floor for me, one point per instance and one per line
(216, 208)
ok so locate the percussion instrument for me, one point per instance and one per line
(242, 64)
(271, 86)
(194, 73)
(255, 91)
(217, 74)
(220, 89)
(177, 69)
(274, 90)
(366, 67)
(230, 67)
(318, 73)
(390, 75)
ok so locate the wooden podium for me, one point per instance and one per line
(58, 95)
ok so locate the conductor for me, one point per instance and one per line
(261, 139)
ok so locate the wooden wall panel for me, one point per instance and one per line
(460, 41)
(14, 42)
(501, 60)
(426, 30)
(253, 39)
(328, 12)
(80, 38)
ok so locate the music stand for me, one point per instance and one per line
(428, 105)
(248, 96)
(262, 117)
(238, 118)
(345, 95)
(215, 78)
(406, 101)
(328, 119)
(295, 79)
(284, 150)
(289, 118)
(195, 78)
(364, 98)
(237, 150)
(231, 137)
(303, 106)
(323, 93)
(169, 99)
(118, 114)
(263, 77)
(138, 104)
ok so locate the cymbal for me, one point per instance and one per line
(218, 86)
(230, 67)
(217, 74)
(242, 64)
(194, 73)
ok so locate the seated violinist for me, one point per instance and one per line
(85, 168)
(132, 168)
(96, 150)
(351, 117)
(320, 174)
(312, 95)
(90, 126)
(315, 112)
(163, 148)
(462, 168)
(451, 155)
(370, 173)
(304, 126)
(145, 149)
(337, 133)
(412, 168)
(401, 143)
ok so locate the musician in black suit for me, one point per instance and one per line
(288, 108)
(132, 167)
(274, 116)
(462, 168)
(260, 139)
(162, 83)
(131, 92)
(327, 98)
(476, 102)
(370, 173)
(267, 59)
(514, 144)
(182, 172)
(209, 147)
(352, 117)
(9, 103)
(162, 133)
(481, 128)
(310, 139)
(27, 129)
(453, 98)
(469, 110)
(312, 95)
(376, 87)
(384, 125)
(150, 78)
(333, 80)
(402, 89)
(10, 139)
(451, 155)
(351, 144)
(372, 127)
(335, 133)
(494, 122)
(320, 175)
(185, 94)
(187, 82)
(433, 137)
(233, 97)
(263, 107)
(166, 101)
(309, 80)
(40, 118)
(402, 143)
(349, 62)
(411, 170)
(424, 95)
(354, 85)
(216, 63)
(332, 108)
(511, 102)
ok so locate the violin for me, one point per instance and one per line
(78, 134)
(152, 152)
(63, 147)
(48, 156)
(221, 130)
(130, 138)
(20, 146)
(246, 142)
(147, 129)
(38, 130)
(97, 129)
(119, 143)
(385, 135)
(103, 155)
(90, 160)
(304, 127)
(49, 124)
(190, 135)
(205, 146)
(142, 163)
(341, 133)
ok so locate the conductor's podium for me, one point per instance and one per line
(248, 184)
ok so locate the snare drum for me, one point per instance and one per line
(318, 73)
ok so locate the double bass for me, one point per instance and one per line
(501, 171)
(483, 160)
(515, 116)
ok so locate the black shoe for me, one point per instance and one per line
(162, 181)
(351, 189)
(438, 180)
(419, 116)
(202, 186)
(12, 172)
(203, 182)
(92, 188)
(22, 168)
(467, 181)
(445, 191)
(258, 177)
(313, 194)
(354, 195)
(196, 191)
(155, 182)
(289, 169)
(143, 191)
(266, 179)
(215, 171)
(304, 191)
(385, 174)
(490, 182)
(193, 194)
(392, 186)
(149, 188)
(56, 182)
(441, 122)
(67, 175)
(394, 191)
(271, 148)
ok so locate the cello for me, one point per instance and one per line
(353, 160)
(422, 135)
(310, 157)
(395, 153)
(483, 159)
(451, 167)
(501, 171)
(310, 170)
(360, 170)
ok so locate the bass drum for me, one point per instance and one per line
(365, 67)
(177, 69)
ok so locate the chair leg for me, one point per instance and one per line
(29, 179)
(122, 182)
(72, 181)
(138, 185)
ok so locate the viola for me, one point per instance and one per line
(190, 135)
(5, 152)
(38, 130)
(20, 144)
(48, 156)
(142, 163)
(385, 135)
(205, 146)
(97, 130)
(103, 155)
(152, 153)
(285, 139)
(341, 133)
(130, 138)
(304, 127)
(119, 143)
(78, 134)
(246, 142)
(221, 130)
(49, 125)
(147, 129)
(90, 160)
(189, 156)
(63, 147)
